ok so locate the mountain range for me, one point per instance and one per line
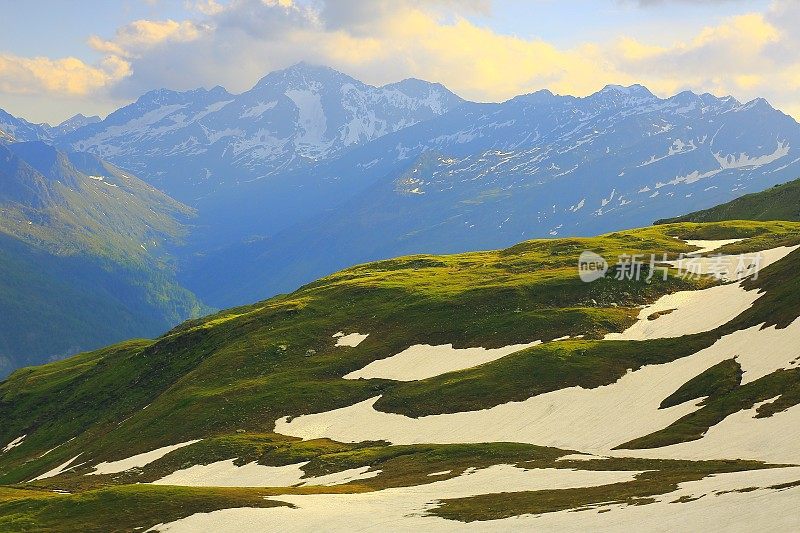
(199, 141)
(311, 171)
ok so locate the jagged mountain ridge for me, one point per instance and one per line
(205, 139)
(13, 129)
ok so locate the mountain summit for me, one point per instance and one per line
(195, 141)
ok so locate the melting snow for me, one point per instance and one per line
(592, 420)
(258, 109)
(398, 509)
(710, 246)
(689, 312)
(14, 443)
(352, 340)
(740, 436)
(423, 361)
(137, 461)
(743, 160)
(60, 469)
(227, 474)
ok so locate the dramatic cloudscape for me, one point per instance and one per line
(93, 56)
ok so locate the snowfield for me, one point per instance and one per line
(591, 420)
(227, 474)
(423, 361)
(137, 461)
(688, 312)
(391, 508)
(723, 502)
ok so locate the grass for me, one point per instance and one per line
(537, 370)
(226, 378)
(717, 381)
(243, 368)
(125, 508)
(781, 202)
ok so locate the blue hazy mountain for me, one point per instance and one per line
(14, 129)
(193, 143)
(489, 175)
(311, 170)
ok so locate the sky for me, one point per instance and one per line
(61, 57)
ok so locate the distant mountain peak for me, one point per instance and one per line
(536, 97)
(303, 74)
(636, 90)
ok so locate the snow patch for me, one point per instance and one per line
(399, 509)
(137, 461)
(352, 340)
(60, 469)
(710, 246)
(14, 443)
(688, 312)
(227, 474)
(423, 361)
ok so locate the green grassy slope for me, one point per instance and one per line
(244, 367)
(781, 202)
(226, 378)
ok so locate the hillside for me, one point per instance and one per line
(781, 202)
(85, 251)
(413, 391)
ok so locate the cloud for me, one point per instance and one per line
(647, 3)
(67, 76)
(206, 7)
(235, 43)
(379, 42)
(142, 35)
(749, 56)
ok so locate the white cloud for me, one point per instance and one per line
(235, 43)
(66, 76)
(142, 35)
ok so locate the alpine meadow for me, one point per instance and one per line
(325, 265)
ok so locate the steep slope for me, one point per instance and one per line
(631, 409)
(85, 255)
(193, 143)
(781, 202)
